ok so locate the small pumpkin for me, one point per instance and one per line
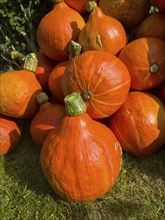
(55, 77)
(145, 61)
(57, 28)
(79, 5)
(102, 32)
(152, 26)
(46, 119)
(128, 12)
(80, 158)
(139, 124)
(10, 135)
(102, 80)
(18, 91)
(160, 4)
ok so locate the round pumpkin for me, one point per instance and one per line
(128, 12)
(18, 92)
(145, 61)
(102, 80)
(80, 158)
(139, 125)
(10, 135)
(152, 26)
(46, 119)
(57, 28)
(102, 32)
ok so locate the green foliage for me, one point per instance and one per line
(19, 20)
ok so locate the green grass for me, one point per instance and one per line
(138, 194)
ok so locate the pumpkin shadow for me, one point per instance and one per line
(23, 165)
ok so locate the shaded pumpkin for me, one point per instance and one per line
(57, 28)
(80, 158)
(10, 135)
(145, 61)
(102, 32)
(139, 125)
(152, 26)
(46, 119)
(102, 80)
(160, 4)
(18, 91)
(127, 12)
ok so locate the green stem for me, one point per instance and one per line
(74, 104)
(42, 98)
(91, 5)
(74, 49)
(30, 62)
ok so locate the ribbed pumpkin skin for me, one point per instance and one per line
(128, 12)
(100, 75)
(44, 67)
(10, 135)
(46, 119)
(103, 33)
(152, 26)
(56, 29)
(79, 5)
(18, 93)
(139, 125)
(81, 158)
(55, 80)
(138, 56)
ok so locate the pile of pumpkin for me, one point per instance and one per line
(90, 92)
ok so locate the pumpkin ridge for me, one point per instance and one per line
(112, 89)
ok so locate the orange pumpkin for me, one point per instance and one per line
(128, 12)
(101, 32)
(44, 67)
(79, 5)
(80, 158)
(139, 125)
(145, 61)
(46, 119)
(57, 28)
(10, 134)
(152, 26)
(102, 80)
(18, 92)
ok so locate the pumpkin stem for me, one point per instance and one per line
(74, 104)
(42, 98)
(154, 68)
(30, 62)
(74, 49)
(91, 5)
(16, 54)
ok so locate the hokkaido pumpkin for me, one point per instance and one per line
(102, 80)
(18, 91)
(139, 125)
(43, 69)
(128, 12)
(79, 5)
(101, 32)
(46, 119)
(160, 4)
(80, 158)
(57, 28)
(10, 135)
(145, 61)
(152, 26)
(55, 77)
